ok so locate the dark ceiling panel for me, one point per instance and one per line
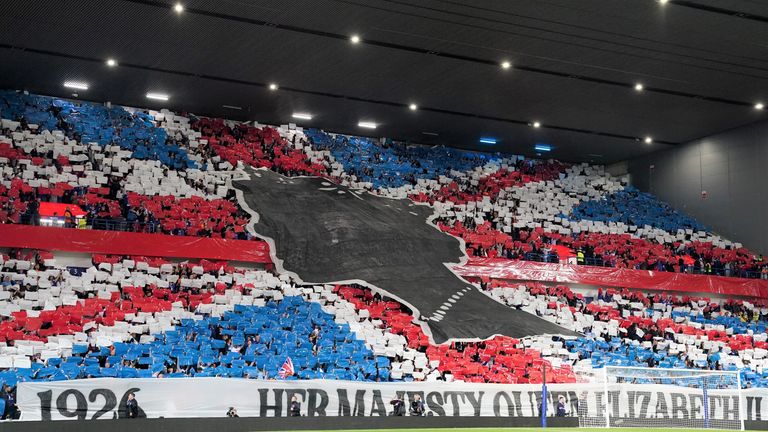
(630, 46)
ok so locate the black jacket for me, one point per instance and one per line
(417, 408)
(561, 409)
(398, 407)
(11, 409)
(10, 400)
(295, 409)
(132, 408)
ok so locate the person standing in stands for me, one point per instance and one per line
(417, 406)
(11, 410)
(69, 218)
(132, 406)
(561, 406)
(398, 406)
(34, 212)
(314, 335)
(295, 410)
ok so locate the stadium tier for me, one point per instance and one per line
(132, 170)
(145, 317)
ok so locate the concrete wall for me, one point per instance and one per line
(732, 167)
(618, 169)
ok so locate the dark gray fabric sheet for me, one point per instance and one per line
(324, 232)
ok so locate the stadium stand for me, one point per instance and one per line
(149, 171)
(333, 215)
(202, 319)
(580, 207)
(146, 317)
(390, 165)
(630, 328)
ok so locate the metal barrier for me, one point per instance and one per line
(106, 224)
(552, 257)
(124, 225)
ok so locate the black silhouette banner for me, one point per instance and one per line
(322, 233)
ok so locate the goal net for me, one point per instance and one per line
(663, 398)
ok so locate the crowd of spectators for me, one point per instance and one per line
(247, 322)
(278, 319)
(498, 360)
(632, 328)
(257, 147)
(604, 250)
(207, 143)
(111, 205)
(113, 209)
(520, 172)
(635, 208)
(104, 124)
(388, 164)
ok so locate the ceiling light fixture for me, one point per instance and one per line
(759, 106)
(77, 85)
(302, 116)
(648, 140)
(232, 107)
(639, 87)
(158, 96)
(491, 141)
(178, 8)
(111, 62)
(663, 1)
(542, 147)
(536, 124)
(355, 39)
(367, 124)
(273, 86)
(413, 107)
(506, 65)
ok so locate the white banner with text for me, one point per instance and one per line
(211, 397)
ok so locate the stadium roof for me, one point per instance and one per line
(573, 67)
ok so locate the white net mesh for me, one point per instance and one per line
(668, 398)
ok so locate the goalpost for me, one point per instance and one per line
(663, 398)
